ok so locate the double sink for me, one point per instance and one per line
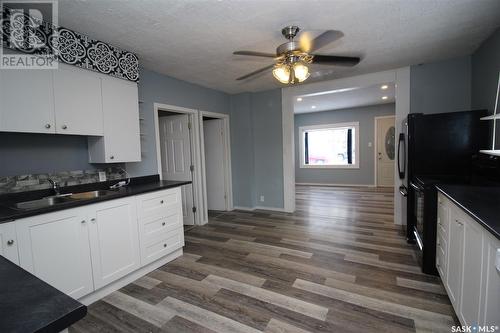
(60, 199)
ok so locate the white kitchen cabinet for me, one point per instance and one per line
(490, 294)
(27, 101)
(455, 256)
(121, 142)
(8, 242)
(472, 272)
(55, 248)
(114, 240)
(78, 101)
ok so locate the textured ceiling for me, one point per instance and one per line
(193, 40)
(345, 98)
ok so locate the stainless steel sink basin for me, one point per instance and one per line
(44, 202)
(90, 194)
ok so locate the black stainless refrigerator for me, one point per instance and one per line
(433, 149)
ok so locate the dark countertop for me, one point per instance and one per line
(480, 202)
(27, 304)
(137, 186)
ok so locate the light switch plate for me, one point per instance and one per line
(102, 176)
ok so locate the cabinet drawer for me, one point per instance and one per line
(441, 261)
(443, 215)
(160, 225)
(162, 245)
(159, 204)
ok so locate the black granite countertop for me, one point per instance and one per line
(27, 304)
(137, 186)
(481, 203)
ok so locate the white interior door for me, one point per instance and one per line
(386, 143)
(176, 158)
(214, 164)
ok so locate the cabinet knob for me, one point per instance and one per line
(10, 242)
(47, 126)
(161, 201)
(163, 223)
(92, 219)
(83, 221)
(64, 127)
(165, 245)
(112, 157)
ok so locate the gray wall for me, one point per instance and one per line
(158, 88)
(441, 86)
(257, 149)
(485, 71)
(365, 116)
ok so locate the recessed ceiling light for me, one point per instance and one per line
(299, 99)
(384, 87)
(313, 107)
(385, 97)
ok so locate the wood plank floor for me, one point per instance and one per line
(338, 264)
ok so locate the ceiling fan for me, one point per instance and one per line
(292, 57)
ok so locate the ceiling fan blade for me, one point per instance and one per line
(308, 44)
(255, 54)
(255, 72)
(335, 60)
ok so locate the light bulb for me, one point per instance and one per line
(301, 71)
(281, 73)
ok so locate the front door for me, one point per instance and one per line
(386, 144)
(176, 158)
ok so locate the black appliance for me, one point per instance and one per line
(435, 148)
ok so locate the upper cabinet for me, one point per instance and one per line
(121, 142)
(27, 101)
(78, 101)
(70, 100)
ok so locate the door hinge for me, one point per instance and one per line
(189, 125)
(194, 209)
(191, 168)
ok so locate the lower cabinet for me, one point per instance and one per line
(472, 259)
(114, 240)
(55, 248)
(81, 250)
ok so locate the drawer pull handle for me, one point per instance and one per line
(438, 265)
(83, 221)
(163, 223)
(10, 242)
(439, 244)
(64, 127)
(47, 126)
(165, 245)
(92, 219)
(161, 201)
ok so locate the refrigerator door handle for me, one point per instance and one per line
(401, 144)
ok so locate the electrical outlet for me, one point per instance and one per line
(261, 198)
(102, 176)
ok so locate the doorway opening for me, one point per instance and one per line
(385, 151)
(216, 168)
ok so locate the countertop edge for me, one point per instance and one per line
(470, 213)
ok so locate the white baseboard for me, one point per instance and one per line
(251, 209)
(335, 185)
(120, 283)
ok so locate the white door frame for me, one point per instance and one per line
(375, 147)
(195, 151)
(400, 76)
(227, 160)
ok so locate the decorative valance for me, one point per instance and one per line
(27, 34)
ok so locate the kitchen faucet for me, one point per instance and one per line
(55, 187)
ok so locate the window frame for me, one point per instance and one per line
(303, 129)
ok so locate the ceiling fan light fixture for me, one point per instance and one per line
(301, 71)
(282, 73)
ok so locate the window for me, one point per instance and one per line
(329, 146)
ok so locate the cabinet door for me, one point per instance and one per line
(78, 101)
(490, 300)
(55, 248)
(8, 242)
(26, 101)
(114, 240)
(471, 273)
(455, 257)
(121, 121)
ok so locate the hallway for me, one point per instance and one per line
(338, 264)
